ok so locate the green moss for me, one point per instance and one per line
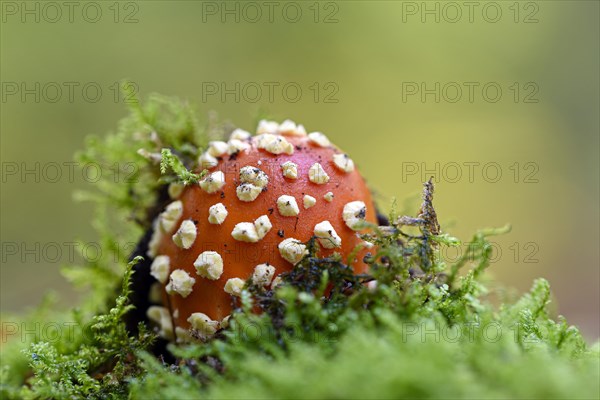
(425, 330)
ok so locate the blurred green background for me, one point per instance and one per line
(360, 67)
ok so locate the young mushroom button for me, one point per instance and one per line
(265, 200)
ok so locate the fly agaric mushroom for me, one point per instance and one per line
(263, 198)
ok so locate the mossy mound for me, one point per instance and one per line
(425, 330)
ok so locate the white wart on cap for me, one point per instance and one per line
(186, 234)
(327, 236)
(263, 274)
(354, 214)
(217, 214)
(292, 250)
(160, 267)
(209, 265)
(180, 282)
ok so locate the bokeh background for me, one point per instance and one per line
(360, 67)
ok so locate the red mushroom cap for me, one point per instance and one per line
(235, 225)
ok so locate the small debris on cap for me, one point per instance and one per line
(354, 214)
(217, 214)
(263, 274)
(343, 162)
(186, 234)
(287, 206)
(159, 268)
(202, 324)
(292, 250)
(234, 286)
(309, 201)
(319, 139)
(213, 182)
(317, 174)
(180, 282)
(327, 236)
(328, 197)
(290, 170)
(209, 265)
